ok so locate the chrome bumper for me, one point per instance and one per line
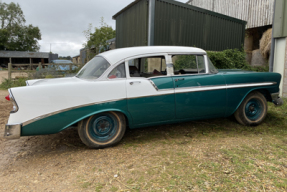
(12, 131)
(276, 99)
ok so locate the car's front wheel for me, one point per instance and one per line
(102, 130)
(252, 110)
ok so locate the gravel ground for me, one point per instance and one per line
(4, 75)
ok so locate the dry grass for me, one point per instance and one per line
(265, 43)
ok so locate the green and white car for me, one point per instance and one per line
(138, 87)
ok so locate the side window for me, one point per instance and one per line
(118, 72)
(147, 67)
(188, 64)
(201, 64)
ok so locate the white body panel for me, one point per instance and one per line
(142, 87)
(35, 101)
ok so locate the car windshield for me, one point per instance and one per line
(211, 67)
(94, 68)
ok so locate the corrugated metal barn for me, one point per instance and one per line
(168, 22)
(257, 13)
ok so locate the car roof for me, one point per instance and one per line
(116, 55)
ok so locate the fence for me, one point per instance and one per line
(39, 67)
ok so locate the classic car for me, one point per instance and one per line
(137, 87)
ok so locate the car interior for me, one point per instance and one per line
(147, 67)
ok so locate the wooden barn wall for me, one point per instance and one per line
(257, 13)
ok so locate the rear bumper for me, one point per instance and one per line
(276, 99)
(12, 131)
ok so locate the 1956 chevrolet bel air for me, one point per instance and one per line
(137, 87)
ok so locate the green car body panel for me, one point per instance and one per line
(169, 108)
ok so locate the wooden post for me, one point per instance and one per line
(70, 67)
(40, 65)
(30, 64)
(9, 71)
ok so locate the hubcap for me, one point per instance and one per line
(102, 128)
(253, 109)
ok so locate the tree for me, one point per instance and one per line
(14, 34)
(98, 39)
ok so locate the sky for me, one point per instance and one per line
(62, 22)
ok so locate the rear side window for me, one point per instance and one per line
(118, 72)
(94, 68)
(188, 64)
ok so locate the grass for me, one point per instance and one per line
(210, 155)
(6, 84)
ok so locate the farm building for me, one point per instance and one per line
(168, 22)
(257, 13)
(22, 57)
(77, 59)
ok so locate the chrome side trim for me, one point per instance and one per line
(171, 93)
(231, 86)
(12, 131)
(200, 88)
(217, 87)
(67, 109)
(156, 88)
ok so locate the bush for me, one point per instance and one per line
(232, 59)
(228, 59)
(6, 84)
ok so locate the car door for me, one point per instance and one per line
(198, 93)
(150, 92)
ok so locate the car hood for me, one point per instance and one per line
(37, 82)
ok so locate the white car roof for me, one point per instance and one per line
(116, 55)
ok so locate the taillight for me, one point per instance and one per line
(7, 97)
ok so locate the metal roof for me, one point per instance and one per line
(116, 55)
(23, 54)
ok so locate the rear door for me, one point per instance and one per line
(150, 92)
(198, 93)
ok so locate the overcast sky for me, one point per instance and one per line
(62, 22)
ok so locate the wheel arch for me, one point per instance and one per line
(125, 113)
(263, 91)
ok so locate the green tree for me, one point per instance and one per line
(98, 39)
(14, 34)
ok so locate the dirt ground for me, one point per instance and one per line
(164, 158)
(4, 75)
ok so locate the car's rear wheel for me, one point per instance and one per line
(252, 110)
(102, 130)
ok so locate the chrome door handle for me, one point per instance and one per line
(133, 82)
(181, 79)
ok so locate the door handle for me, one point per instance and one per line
(181, 79)
(133, 82)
